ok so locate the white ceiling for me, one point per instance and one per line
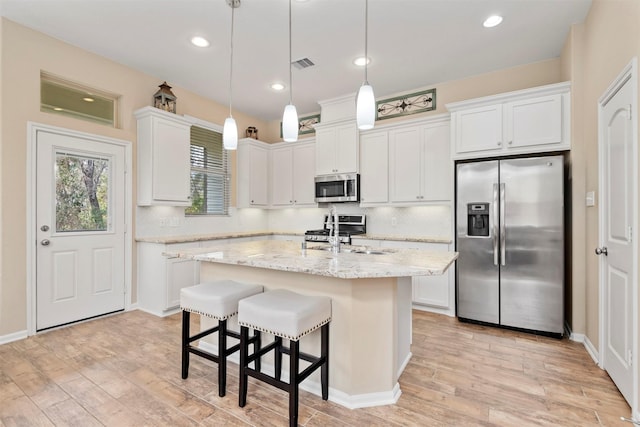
(412, 43)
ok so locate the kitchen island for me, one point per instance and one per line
(370, 332)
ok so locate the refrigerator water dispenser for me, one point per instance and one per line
(478, 219)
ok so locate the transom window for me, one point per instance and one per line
(209, 173)
(59, 96)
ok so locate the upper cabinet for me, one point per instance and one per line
(374, 168)
(406, 163)
(420, 167)
(336, 148)
(292, 173)
(527, 121)
(252, 173)
(163, 156)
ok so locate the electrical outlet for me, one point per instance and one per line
(394, 221)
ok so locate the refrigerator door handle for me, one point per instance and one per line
(495, 224)
(503, 231)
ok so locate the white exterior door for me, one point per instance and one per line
(616, 252)
(80, 214)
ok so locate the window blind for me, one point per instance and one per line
(209, 173)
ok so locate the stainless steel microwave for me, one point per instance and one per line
(338, 188)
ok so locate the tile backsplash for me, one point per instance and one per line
(417, 221)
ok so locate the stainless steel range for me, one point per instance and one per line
(348, 225)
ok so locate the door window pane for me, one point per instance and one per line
(82, 193)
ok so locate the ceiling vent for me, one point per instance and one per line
(303, 63)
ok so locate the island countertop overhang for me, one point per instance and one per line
(351, 263)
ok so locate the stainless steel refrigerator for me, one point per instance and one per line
(510, 237)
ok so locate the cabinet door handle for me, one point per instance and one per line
(499, 143)
(510, 142)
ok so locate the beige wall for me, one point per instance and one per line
(24, 53)
(506, 80)
(596, 52)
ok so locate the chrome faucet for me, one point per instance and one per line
(334, 229)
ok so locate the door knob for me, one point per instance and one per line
(45, 242)
(601, 251)
(44, 228)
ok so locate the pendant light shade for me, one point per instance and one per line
(230, 134)
(230, 129)
(290, 116)
(365, 107)
(290, 123)
(365, 100)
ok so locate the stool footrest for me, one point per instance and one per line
(205, 333)
(267, 379)
(304, 356)
(261, 352)
(204, 353)
(311, 368)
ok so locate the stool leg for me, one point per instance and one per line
(324, 369)
(294, 360)
(244, 349)
(257, 345)
(222, 357)
(278, 358)
(186, 318)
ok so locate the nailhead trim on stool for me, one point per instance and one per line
(289, 315)
(217, 300)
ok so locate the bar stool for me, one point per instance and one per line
(288, 315)
(218, 300)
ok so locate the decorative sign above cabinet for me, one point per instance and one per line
(413, 103)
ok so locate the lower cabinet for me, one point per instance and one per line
(431, 293)
(160, 278)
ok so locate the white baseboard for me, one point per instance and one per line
(133, 307)
(350, 401)
(16, 336)
(593, 352)
(159, 313)
(404, 364)
(446, 311)
(582, 338)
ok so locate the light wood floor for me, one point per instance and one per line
(125, 370)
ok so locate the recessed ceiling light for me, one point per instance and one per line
(88, 99)
(361, 61)
(277, 86)
(200, 41)
(492, 21)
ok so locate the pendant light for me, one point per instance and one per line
(290, 116)
(230, 129)
(365, 100)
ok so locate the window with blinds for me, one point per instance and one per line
(209, 174)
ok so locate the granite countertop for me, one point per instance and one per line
(217, 236)
(240, 234)
(352, 263)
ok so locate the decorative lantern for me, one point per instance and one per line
(164, 99)
(252, 132)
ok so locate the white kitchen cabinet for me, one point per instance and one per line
(292, 172)
(528, 121)
(160, 278)
(420, 168)
(431, 293)
(336, 148)
(163, 158)
(252, 173)
(374, 168)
